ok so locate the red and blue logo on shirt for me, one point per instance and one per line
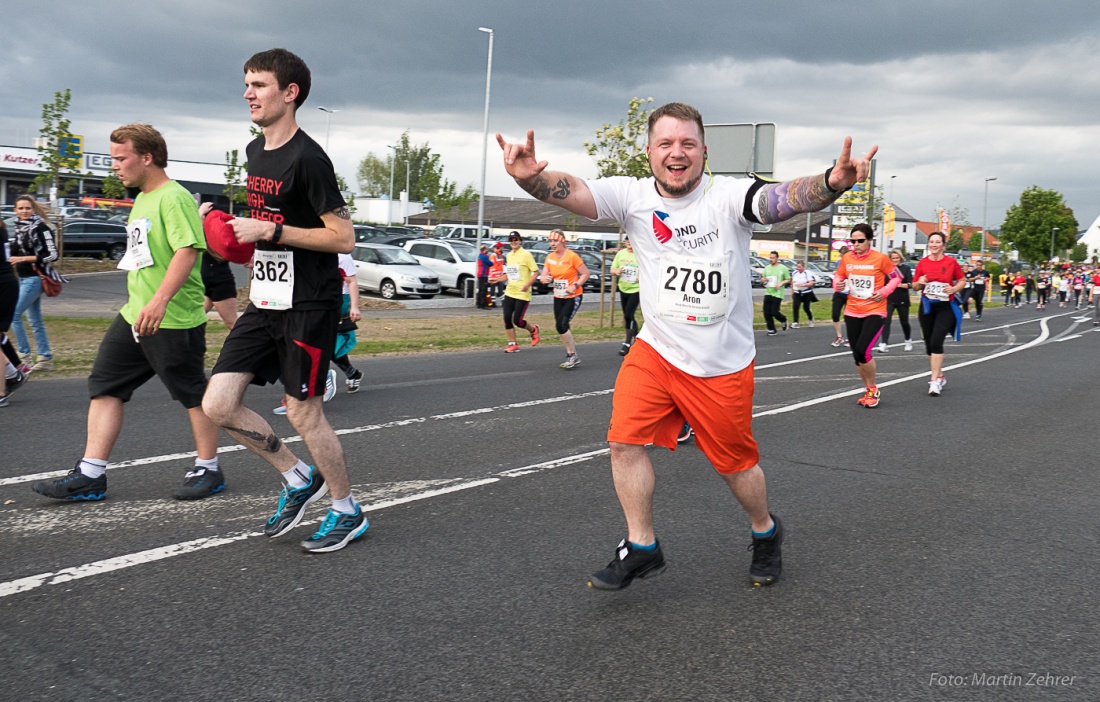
(660, 229)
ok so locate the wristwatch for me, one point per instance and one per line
(275, 237)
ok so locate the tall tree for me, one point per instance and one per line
(234, 187)
(408, 162)
(974, 243)
(620, 149)
(1037, 222)
(955, 240)
(56, 160)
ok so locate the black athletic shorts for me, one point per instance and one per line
(217, 280)
(293, 345)
(174, 355)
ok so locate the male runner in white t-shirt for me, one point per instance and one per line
(693, 359)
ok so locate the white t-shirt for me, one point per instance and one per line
(803, 279)
(707, 225)
(347, 269)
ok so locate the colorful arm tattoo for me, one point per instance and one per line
(776, 202)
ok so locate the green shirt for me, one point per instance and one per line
(780, 273)
(173, 220)
(626, 259)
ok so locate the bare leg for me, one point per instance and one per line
(206, 433)
(751, 491)
(104, 425)
(867, 372)
(634, 484)
(227, 310)
(308, 419)
(567, 341)
(223, 405)
(937, 365)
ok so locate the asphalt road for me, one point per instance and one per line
(936, 547)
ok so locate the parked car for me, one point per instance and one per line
(453, 261)
(365, 232)
(460, 231)
(591, 260)
(822, 277)
(395, 239)
(544, 245)
(391, 271)
(93, 237)
(403, 230)
(756, 278)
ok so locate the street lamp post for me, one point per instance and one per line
(389, 208)
(985, 213)
(1053, 231)
(328, 125)
(408, 193)
(485, 138)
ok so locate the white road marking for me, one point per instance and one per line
(151, 555)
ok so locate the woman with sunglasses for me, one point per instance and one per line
(938, 277)
(871, 277)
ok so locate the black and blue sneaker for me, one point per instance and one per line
(629, 563)
(767, 556)
(200, 483)
(293, 503)
(74, 486)
(337, 531)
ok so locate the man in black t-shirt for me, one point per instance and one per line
(977, 275)
(299, 222)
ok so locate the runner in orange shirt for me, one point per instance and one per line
(566, 273)
(871, 277)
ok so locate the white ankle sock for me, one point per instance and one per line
(92, 467)
(298, 476)
(207, 463)
(345, 506)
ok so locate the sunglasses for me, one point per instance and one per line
(858, 241)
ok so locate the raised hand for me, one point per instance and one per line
(519, 159)
(848, 171)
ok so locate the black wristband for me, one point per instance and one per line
(828, 187)
(279, 232)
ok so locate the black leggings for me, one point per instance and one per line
(936, 325)
(564, 310)
(772, 313)
(863, 334)
(1044, 293)
(802, 300)
(978, 295)
(514, 310)
(839, 300)
(903, 319)
(630, 307)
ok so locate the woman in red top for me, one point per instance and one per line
(938, 277)
(1019, 284)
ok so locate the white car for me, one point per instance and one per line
(453, 261)
(391, 271)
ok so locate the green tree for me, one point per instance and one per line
(1079, 253)
(234, 187)
(620, 149)
(1030, 223)
(55, 128)
(412, 163)
(974, 243)
(955, 241)
(112, 187)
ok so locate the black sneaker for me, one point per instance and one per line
(772, 332)
(200, 483)
(337, 531)
(293, 503)
(784, 326)
(15, 383)
(354, 380)
(624, 349)
(767, 558)
(629, 563)
(74, 486)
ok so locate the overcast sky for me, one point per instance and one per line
(952, 92)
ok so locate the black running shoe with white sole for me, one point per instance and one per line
(767, 557)
(200, 483)
(629, 563)
(293, 503)
(74, 486)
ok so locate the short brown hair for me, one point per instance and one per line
(677, 110)
(145, 140)
(286, 67)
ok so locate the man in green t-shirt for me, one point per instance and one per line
(775, 277)
(160, 331)
(520, 271)
(625, 269)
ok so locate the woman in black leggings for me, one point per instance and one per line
(898, 300)
(938, 277)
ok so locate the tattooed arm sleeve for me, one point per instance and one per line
(775, 202)
(563, 190)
